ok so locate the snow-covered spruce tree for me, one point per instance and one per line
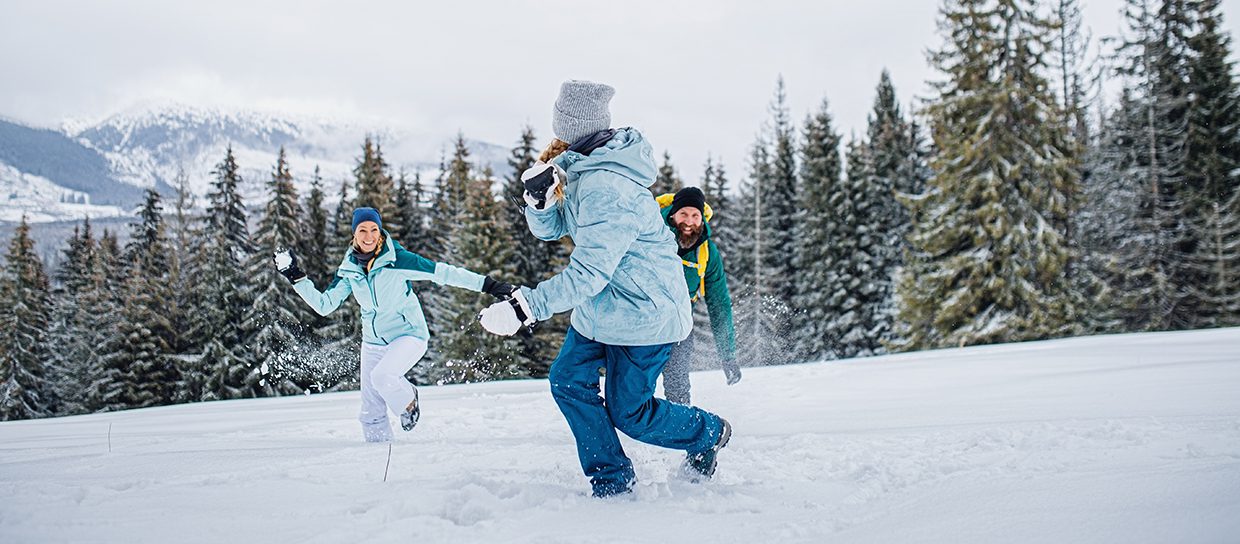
(226, 250)
(342, 330)
(419, 230)
(765, 244)
(439, 305)
(315, 257)
(452, 325)
(24, 318)
(375, 188)
(827, 283)
(666, 181)
(1220, 257)
(714, 186)
(185, 260)
(988, 262)
(411, 211)
(1211, 169)
(275, 324)
(470, 355)
(760, 316)
(341, 226)
(1145, 152)
(69, 365)
(138, 370)
(102, 300)
(533, 260)
(780, 193)
(894, 165)
(1104, 215)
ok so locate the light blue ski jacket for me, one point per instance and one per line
(623, 282)
(390, 308)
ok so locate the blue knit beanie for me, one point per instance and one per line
(361, 215)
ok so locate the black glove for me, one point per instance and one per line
(498, 289)
(732, 371)
(286, 263)
(540, 180)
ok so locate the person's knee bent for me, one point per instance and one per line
(630, 418)
(386, 382)
(562, 376)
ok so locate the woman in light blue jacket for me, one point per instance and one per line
(381, 274)
(624, 286)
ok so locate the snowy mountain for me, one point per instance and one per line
(1132, 438)
(109, 162)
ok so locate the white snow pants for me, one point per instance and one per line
(384, 385)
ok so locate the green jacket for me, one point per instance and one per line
(711, 284)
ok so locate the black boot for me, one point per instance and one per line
(702, 464)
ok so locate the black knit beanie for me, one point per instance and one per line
(689, 197)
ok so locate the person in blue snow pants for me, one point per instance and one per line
(624, 286)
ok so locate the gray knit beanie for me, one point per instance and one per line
(581, 110)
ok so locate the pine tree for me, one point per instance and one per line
(781, 194)
(417, 231)
(138, 371)
(761, 317)
(472, 356)
(316, 236)
(24, 319)
(226, 249)
(532, 260)
(827, 288)
(715, 187)
(274, 325)
(343, 328)
(1145, 156)
(375, 187)
(449, 315)
(102, 299)
(1212, 164)
(409, 213)
(893, 160)
(68, 374)
(666, 181)
(444, 312)
(183, 265)
(988, 260)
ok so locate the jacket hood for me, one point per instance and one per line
(627, 154)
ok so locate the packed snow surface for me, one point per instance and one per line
(1132, 438)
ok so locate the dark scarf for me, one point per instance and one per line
(587, 145)
(366, 259)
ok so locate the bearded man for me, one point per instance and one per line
(688, 215)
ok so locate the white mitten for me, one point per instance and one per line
(506, 316)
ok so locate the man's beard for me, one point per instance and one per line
(687, 236)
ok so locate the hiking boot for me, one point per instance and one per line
(702, 464)
(410, 418)
(608, 490)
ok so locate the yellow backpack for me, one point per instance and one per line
(703, 252)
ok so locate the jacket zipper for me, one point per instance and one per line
(375, 304)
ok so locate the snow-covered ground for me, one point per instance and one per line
(1131, 438)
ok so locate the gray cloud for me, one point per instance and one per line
(695, 76)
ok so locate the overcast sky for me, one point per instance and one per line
(695, 76)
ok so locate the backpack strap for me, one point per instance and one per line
(703, 254)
